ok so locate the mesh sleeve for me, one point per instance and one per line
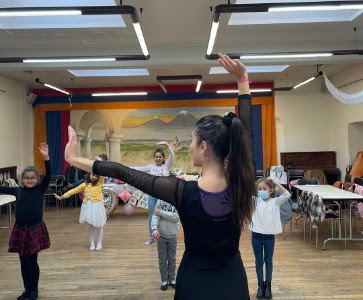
(168, 188)
(244, 113)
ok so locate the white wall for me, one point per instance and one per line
(309, 119)
(355, 139)
(16, 125)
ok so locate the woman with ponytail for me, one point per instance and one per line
(212, 210)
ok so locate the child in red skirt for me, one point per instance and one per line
(30, 235)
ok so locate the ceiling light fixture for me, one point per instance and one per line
(285, 55)
(30, 13)
(308, 80)
(84, 10)
(268, 7)
(236, 91)
(63, 60)
(40, 81)
(160, 80)
(109, 72)
(119, 94)
(289, 88)
(199, 84)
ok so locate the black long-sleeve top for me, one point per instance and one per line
(204, 235)
(29, 201)
(169, 188)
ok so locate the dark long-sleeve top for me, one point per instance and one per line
(205, 235)
(29, 201)
(70, 176)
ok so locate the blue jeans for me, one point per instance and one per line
(151, 202)
(263, 247)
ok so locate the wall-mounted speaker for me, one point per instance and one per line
(31, 98)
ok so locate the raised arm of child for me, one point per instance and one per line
(44, 152)
(285, 195)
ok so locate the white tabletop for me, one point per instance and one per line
(6, 199)
(328, 192)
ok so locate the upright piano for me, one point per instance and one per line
(321, 160)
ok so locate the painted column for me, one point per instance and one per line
(80, 136)
(114, 140)
(88, 148)
(107, 148)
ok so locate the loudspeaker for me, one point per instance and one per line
(31, 98)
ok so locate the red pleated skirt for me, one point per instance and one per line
(28, 240)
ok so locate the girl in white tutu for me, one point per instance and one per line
(92, 211)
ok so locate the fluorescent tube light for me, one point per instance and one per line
(297, 55)
(109, 72)
(304, 82)
(61, 60)
(141, 39)
(236, 91)
(351, 6)
(212, 37)
(315, 8)
(52, 86)
(198, 86)
(57, 89)
(119, 94)
(40, 13)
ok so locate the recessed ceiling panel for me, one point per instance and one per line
(99, 21)
(291, 17)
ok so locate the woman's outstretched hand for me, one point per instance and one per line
(70, 151)
(233, 67)
(163, 143)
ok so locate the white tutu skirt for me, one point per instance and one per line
(93, 213)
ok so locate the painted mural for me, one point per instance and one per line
(143, 128)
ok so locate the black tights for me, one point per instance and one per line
(30, 271)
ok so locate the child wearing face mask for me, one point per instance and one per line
(264, 225)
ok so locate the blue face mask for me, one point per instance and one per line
(263, 194)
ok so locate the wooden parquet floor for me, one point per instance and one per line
(127, 269)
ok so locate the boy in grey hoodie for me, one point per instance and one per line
(165, 226)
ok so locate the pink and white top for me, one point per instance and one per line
(162, 170)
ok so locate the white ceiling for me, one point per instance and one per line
(176, 33)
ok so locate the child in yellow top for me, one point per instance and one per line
(92, 211)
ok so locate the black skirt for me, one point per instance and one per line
(211, 279)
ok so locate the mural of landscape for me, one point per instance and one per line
(143, 128)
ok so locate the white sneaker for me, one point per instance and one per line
(92, 247)
(99, 247)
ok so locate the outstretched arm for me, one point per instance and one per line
(165, 188)
(43, 149)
